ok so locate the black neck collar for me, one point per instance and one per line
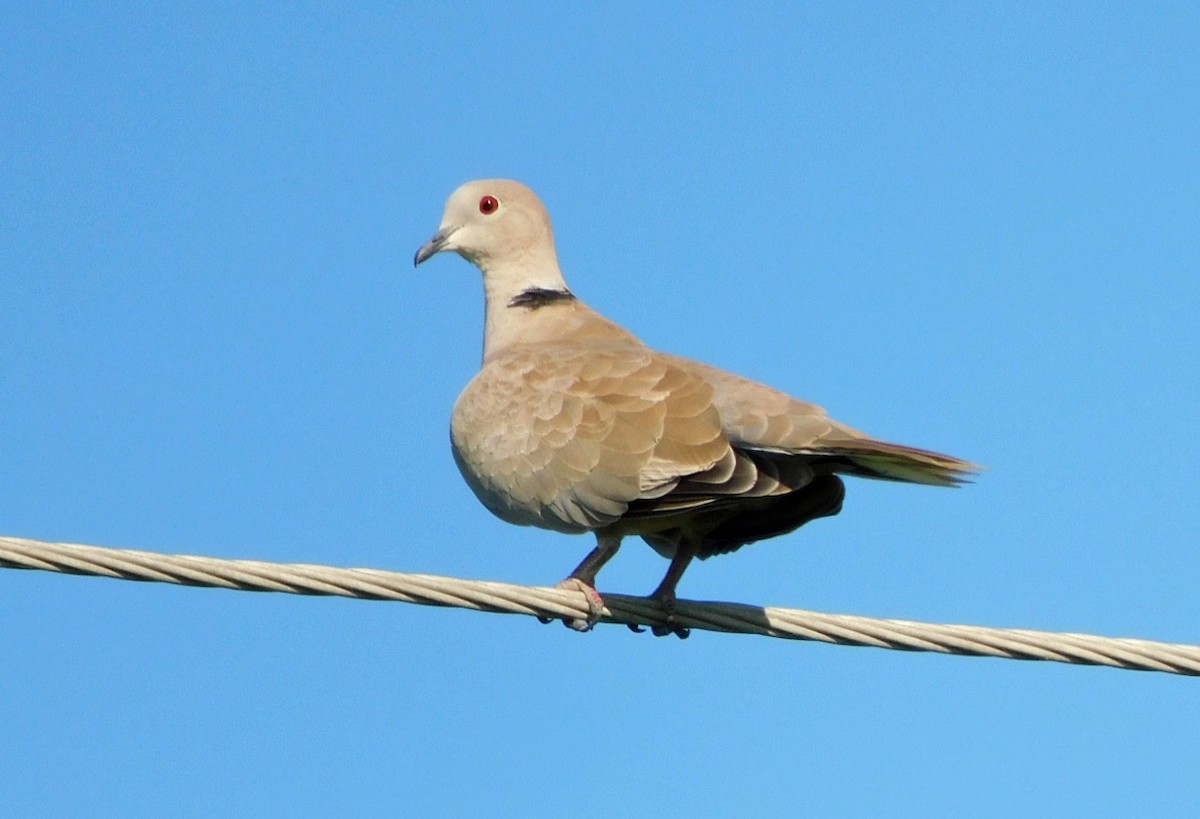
(536, 297)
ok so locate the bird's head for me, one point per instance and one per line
(494, 223)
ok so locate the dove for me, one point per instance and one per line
(574, 425)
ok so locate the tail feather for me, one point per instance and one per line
(894, 462)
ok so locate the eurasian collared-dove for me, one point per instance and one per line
(573, 424)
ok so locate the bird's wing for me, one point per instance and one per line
(567, 435)
(758, 418)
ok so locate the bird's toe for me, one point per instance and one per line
(595, 604)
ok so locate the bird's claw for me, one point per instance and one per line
(670, 626)
(594, 601)
(682, 632)
(595, 605)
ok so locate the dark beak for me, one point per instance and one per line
(434, 245)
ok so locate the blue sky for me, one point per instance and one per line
(968, 227)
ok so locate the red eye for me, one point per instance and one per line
(488, 205)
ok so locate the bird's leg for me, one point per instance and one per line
(665, 593)
(584, 579)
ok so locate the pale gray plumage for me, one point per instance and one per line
(573, 424)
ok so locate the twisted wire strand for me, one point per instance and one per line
(432, 590)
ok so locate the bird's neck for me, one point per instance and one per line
(517, 299)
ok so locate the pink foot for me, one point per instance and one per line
(594, 600)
